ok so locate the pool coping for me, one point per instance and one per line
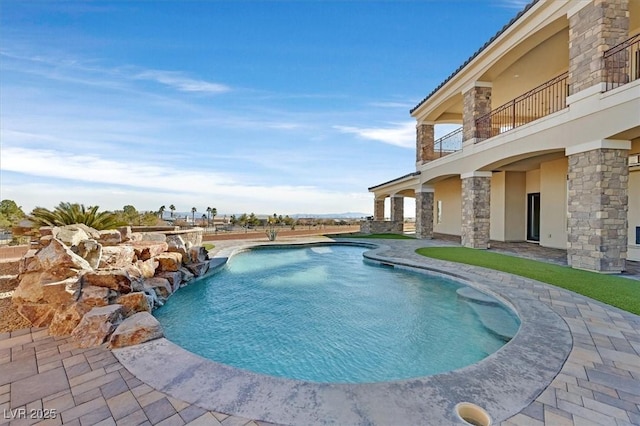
(503, 384)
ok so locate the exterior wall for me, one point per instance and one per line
(595, 28)
(477, 102)
(448, 192)
(381, 227)
(476, 212)
(553, 203)
(633, 215)
(424, 143)
(597, 209)
(508, 207)
(532, 182)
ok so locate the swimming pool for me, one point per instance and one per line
(323, 314)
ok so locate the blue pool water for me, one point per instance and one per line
(324, 314)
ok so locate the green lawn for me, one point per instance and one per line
(616, 291)
(208, 246)
(380, 236)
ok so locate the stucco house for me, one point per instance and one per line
(549, 145)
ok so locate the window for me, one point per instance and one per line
(439, 212)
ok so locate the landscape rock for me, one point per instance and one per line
(37, 287)
(176, 245)
(38, 314)
(174, 278)
(145, 250)
(117, 280)
(70, 235)
(59, 261)
(110, 237)
(198, 254)
(66, 318)
(135, 302)
(160, 285)
(89, 250)
(187, 275)
(169, 262)
(44, 241)
(125, 233)
(29, 262)
(148, 267)
(117, 256)
(97, 325)
(198, 269)
(95, 296)
(138, 328)
(60, 292)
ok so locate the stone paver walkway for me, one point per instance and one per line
(598, 385)
(42, 376)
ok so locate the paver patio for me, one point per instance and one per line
(598, 384)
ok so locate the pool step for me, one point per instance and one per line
(492, 315)
(476, 296)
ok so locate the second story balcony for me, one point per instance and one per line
(622, 63)
(541, 101)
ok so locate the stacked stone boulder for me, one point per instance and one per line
(89, 284)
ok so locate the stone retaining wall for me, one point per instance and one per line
(381, 227)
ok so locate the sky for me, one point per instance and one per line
(281, 107)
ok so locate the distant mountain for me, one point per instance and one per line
(347, 215)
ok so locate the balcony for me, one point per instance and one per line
(622, 63)
(449, 143)
(545, 99)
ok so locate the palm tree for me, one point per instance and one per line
(71, 213)
(204, 217)
(172, 208)
(193, 215)
(208, 213)
(214, 212)
(161, 211)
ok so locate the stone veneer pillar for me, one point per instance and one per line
(477, 102)
(378, 209)
(424, 143)
(424, 212)
(594, 27)
(597, 201)
(476, 209)
(397, 208)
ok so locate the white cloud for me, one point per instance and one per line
(401, 134)
(180, 82)
(112, 184)
(405, 105)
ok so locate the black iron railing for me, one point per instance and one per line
(451, 142)
(622, 63)
(545, 99)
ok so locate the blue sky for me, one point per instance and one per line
(246, 106)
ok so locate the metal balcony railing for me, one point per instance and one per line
(622, 63)
(449, 143)
(545, 99)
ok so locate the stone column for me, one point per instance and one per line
(477, 102)
(597, 201)
(378, 209)
(424, 212)
(594, 27)
(424, 143)
(476, 209)
(397, 208)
